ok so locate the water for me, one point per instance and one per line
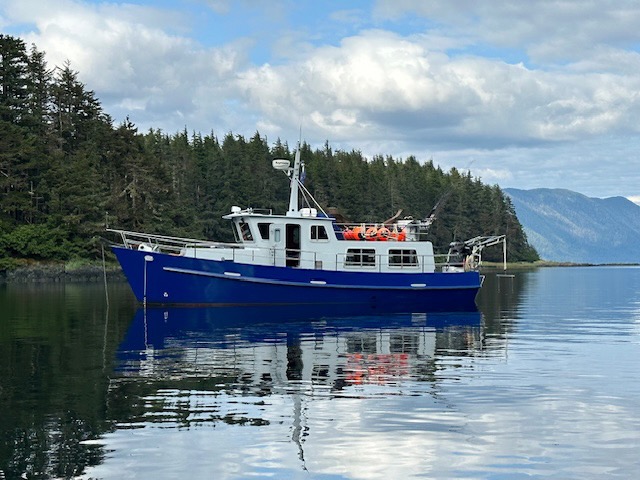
(542, 382)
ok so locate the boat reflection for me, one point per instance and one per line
(268, 348)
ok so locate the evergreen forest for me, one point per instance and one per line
(67, 172)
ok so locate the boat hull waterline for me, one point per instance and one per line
(160, 278)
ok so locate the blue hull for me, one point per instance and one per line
(166, 279)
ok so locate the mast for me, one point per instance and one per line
(295, 186)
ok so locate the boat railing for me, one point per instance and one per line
(382, 262)
(443, 263)
(163, 243)
(400, 231)
(359, 261)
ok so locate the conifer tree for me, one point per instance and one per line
(13, 79)
(64, 169)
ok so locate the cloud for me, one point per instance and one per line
(548, 30)
(135, 66)
(513, 85)
(371, 83)
(379, 82)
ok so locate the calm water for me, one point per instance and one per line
(543, 381)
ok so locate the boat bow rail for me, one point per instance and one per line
(164, 244)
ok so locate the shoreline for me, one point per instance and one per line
(494, 266)
(42, 272)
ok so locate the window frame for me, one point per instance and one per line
(263, 229)
(403, 258)
(319, 233)
(360, 258)
(244, 229)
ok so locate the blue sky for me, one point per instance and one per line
(544, 93)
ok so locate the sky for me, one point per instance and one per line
(535, 94)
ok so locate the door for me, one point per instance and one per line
(292, 249)
(277, 245)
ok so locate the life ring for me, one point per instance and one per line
(349, 234)
(371, 233)
(383, 234)
(358, 233)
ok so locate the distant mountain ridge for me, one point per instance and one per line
(564, 225)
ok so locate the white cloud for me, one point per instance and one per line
(492, 176)
(441, 93)
(378, 81)
(125, 54)
(550, 31)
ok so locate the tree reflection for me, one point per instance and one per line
(72, 370)
(53, 377)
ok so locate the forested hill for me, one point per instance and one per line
(66, 171)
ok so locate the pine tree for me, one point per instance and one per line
(16, 149)
(38, 100)
(77, 113)
(13, 79)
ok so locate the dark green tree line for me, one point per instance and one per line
(66, 172)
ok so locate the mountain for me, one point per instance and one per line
(567, 226)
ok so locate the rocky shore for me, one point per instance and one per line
(60, 273)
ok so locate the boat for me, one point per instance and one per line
(305, 257)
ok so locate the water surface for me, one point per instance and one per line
(542, 381)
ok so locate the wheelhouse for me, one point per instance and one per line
(316, 241)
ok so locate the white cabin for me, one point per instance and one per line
(315, 242)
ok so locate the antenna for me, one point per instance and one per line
(295, 185)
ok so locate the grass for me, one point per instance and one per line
(544, 264)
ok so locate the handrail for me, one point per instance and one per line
(396, 232)
(374, 261)
(163, 242)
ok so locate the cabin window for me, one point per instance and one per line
(403, 258)
(318, 232)
(360, 257)
(264, 230)
(245, 231)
